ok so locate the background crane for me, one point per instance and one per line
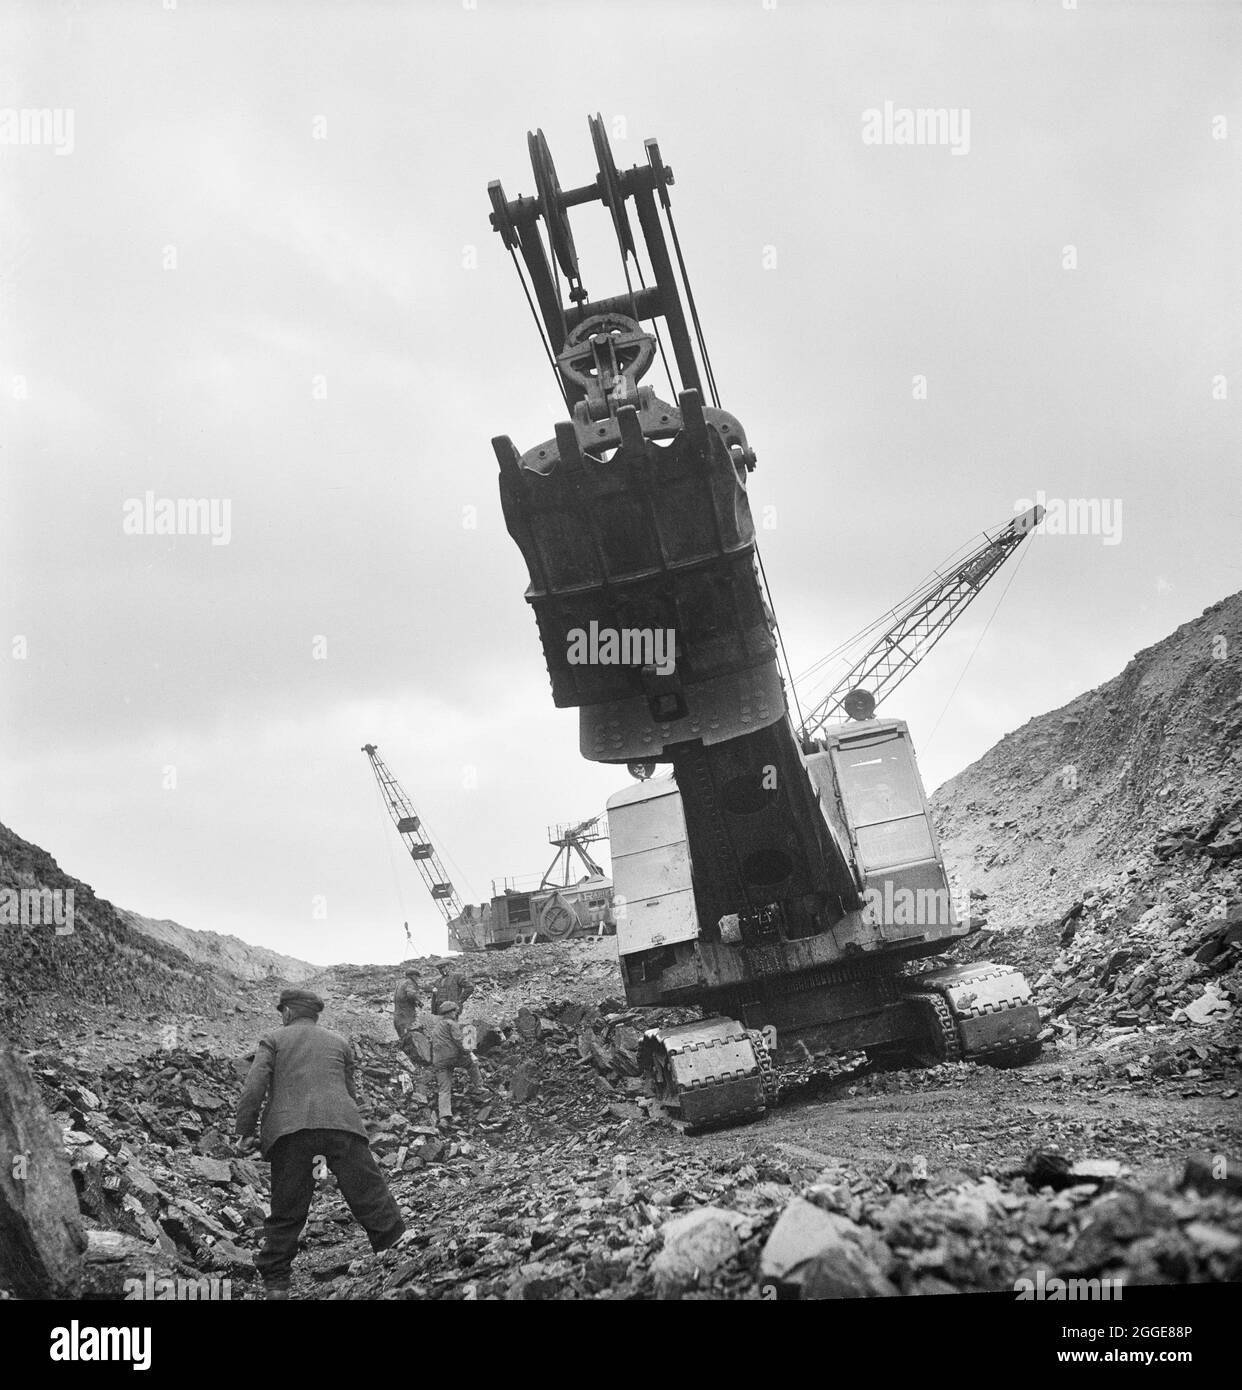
(420, 849)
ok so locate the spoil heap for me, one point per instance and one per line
(46, 978)
(1153, 949)
(1070, 797)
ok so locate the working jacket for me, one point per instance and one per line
(307, 1075)
(453, 989)
(447, 1042)
(406, 1005)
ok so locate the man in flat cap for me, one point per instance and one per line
(407, 1006)
(451, 1047)
(450, 988)
(307, 1074)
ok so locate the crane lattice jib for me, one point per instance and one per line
(924, 620)
(409, 827)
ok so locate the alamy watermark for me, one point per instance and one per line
(627, 646)
(37, 907)
(1076, 516)
(1043, 1289)
(207, 1288)
(78, 1343)
(914, 907)
(179, 516)
(38, 126)
(924, 125)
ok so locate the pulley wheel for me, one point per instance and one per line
(552, 205)
(500, 214)
(610, 184)
(635, 349)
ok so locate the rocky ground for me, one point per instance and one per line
(1109, 1158)
(1102, 849)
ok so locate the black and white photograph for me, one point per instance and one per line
(621, 667)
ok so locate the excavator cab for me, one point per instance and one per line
(872, 794)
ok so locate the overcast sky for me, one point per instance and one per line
(255, 266)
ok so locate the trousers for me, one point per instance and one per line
(444, 1083)
(362, 1185)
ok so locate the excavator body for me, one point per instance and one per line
(787, 886)
(518, 918)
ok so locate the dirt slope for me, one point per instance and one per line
(1066, 802)
(48, 978)
(228, 954)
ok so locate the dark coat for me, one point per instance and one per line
(453, 989)
(307, 1074)
(406, 1005)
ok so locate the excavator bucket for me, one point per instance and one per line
(640, 547)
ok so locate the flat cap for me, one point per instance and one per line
(289, 997)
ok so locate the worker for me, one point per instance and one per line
(407, 1009)
(448, 1050)
(451, 988)
(407, 1002)
(306, 1074)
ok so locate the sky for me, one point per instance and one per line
(247, 259)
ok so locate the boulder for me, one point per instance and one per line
(1210, 1007)
(115, 1260)
(695, 1244)
(824, 1255)
(225, 1255)
(213, 1170)
(41, 1237)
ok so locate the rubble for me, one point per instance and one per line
(567, 1180)
(113, 1259)
(1153, 949)
(584, 1189)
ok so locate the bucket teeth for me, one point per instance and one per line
(632, 439)
(567, 446)
(507, 455)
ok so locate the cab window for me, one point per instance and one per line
(878, 782)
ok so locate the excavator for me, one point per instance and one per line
(784, 878)
(555, 911)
